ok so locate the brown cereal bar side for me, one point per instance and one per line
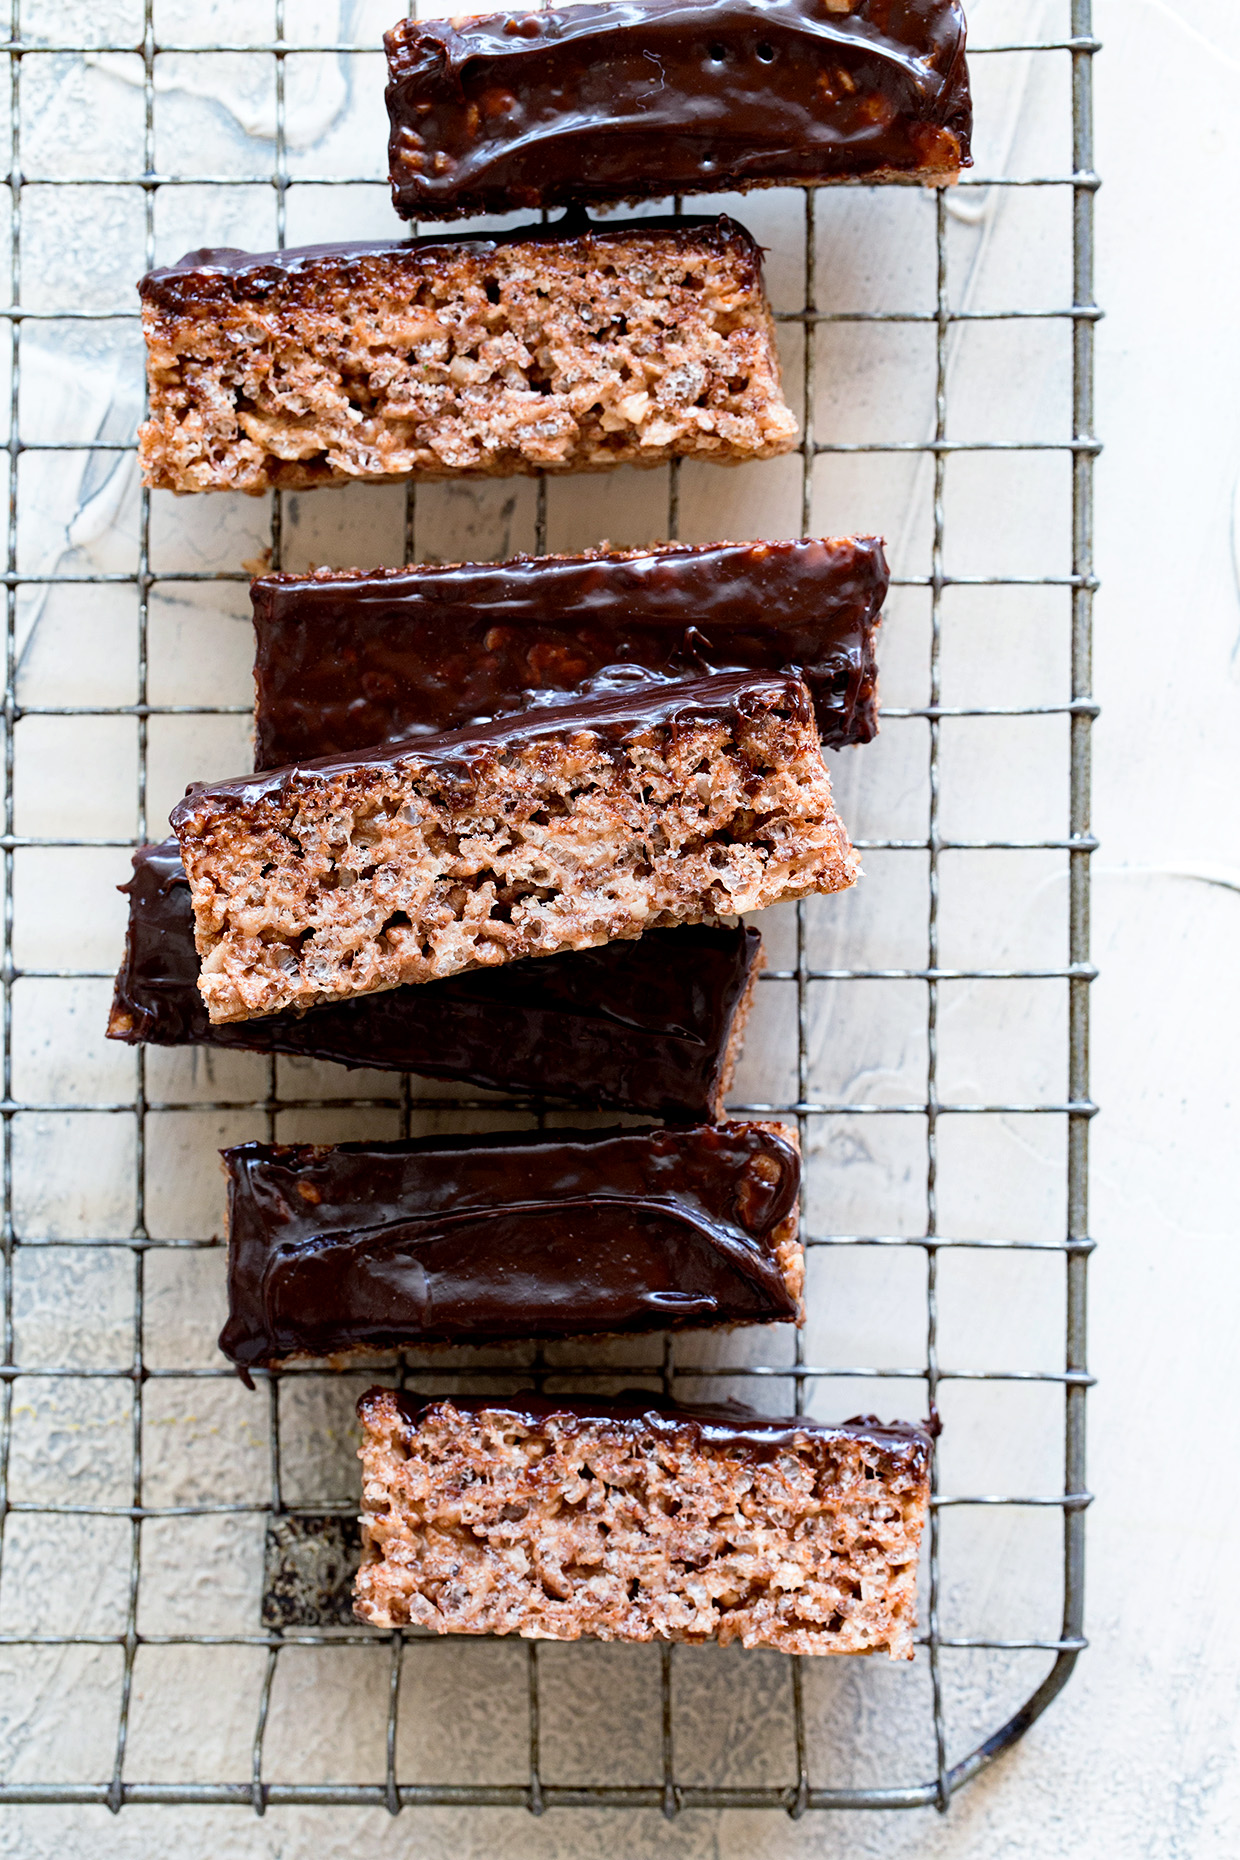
(541, 350)
(562, 1518)
(562, 830)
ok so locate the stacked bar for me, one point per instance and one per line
(548, 831)
(347, 659)
(653, 1026)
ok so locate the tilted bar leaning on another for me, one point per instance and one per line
(365, 1247)
(653, 1025)
(569, 347)
(612, 102)
(552, 830)
(345, 659)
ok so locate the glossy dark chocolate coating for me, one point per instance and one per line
(343, 661)
(459, 1239)
(641, 98)
(300, 275)
(454, 759)
(728, 1426)
(640, 1026)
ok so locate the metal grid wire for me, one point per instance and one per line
(796, 1794)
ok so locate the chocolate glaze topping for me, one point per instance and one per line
(638, 98)
(346, 660)
(371, 1246)
(730, 1426)
(298, 274)
(635, 703)
(642, 1026)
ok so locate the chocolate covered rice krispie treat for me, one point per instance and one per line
(346, 658)
(559, 1518)
(355, 1248)
(654, 1025)
(552, 830)
(605, 101)
(549, 348)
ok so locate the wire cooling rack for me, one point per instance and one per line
(113, 1564)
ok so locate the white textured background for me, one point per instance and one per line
(1138, 1758)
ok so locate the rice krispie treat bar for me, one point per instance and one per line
(548, 831)
(654, 1025)
(549, 348)
(606, 102)
(560, 1518)
(364, 1247)
(345, 659)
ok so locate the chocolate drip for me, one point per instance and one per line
(642, 1026)
(610, 102)
(347, 660)
(460, 1239)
